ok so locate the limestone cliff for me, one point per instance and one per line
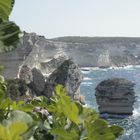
(101, 52)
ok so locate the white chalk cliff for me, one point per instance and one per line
(101, 52)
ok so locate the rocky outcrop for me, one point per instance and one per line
(37, 85)
(33, 78)
(49, 66)
(68, 75)
(115, 97)
(25, 73)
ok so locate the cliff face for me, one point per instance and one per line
(85, 51)
(103, 52)
(12, 60)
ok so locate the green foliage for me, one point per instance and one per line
(19, 116)
(13, 132)
(5, 8)
(17, 126)
(12, 4)
(9, 31)
(115, 130)
(63, 105)
(9, 36)
(60, 118)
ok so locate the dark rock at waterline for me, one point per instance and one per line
(115, 97)
(68, 75)
(17, 89)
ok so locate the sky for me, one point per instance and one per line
(55, 18)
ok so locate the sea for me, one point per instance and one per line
(93, 76)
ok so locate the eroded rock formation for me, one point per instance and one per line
(115, 97)
(33, 78)
(51, 65)
(37, 85)
(67, 74)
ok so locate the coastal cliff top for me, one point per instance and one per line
(90, 40)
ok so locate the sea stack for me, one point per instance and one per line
(115, 98)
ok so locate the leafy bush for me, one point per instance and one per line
(59, 118)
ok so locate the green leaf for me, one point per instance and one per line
(12, 4)
(5, 103)
(47, 125)
(9, 36)
(19, 116)
(100, 125)
(107, 136)
(6, 8)
(65, 135)
(116, 130)
(73, 113)
(89, 115)
(17, 129)
(13, 132)
(20, 105)
(65, 105)
(60, 90)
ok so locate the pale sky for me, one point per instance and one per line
(54, 18)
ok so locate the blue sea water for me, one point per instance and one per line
(94, 76)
